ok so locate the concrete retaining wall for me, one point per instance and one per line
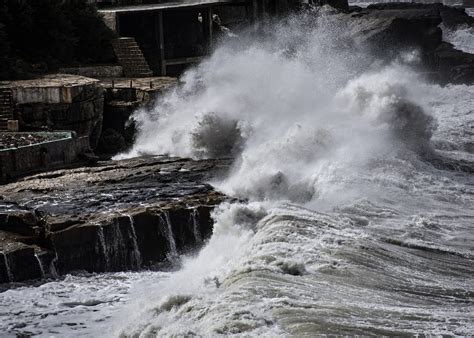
(49, 155)
(53, 89)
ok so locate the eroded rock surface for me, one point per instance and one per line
(115, 216)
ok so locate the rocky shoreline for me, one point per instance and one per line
(391, 28)
(115, 216)
(143, 212)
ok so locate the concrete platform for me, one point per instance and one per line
(148, 84)
(24, 153)
(50, 89)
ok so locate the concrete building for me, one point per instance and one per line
(163, 37)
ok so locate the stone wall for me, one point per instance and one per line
(60, 102)
(16, 162)
(83, 117)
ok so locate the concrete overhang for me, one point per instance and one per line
(171, 5)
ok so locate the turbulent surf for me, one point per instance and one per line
(356, 190)
(352, 182)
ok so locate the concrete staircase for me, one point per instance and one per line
(131, 58)
(6, 107)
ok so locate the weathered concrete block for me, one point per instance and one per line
(53, 89)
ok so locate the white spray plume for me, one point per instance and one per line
(302, 111)
(291, 108)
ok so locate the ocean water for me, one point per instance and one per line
(356, 188)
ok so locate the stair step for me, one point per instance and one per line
(137, 69)
(131, 57)
(125, 43)
(134, 64)
(123, 39)
(126, 47)
(129, 53)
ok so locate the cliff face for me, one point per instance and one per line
(116, 216)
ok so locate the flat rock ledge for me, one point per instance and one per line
(115, 216)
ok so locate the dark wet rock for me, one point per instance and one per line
(455, 66)
(112, 217)
(20, 261)
(339, 4)
(391, 28)
(111, 142)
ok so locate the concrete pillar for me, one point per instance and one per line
(208, 24)
(160, 35)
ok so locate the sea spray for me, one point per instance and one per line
(312, 104)
(326, 144)
(296, 117)
(201, 274)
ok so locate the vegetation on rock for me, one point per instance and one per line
(40, 36)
